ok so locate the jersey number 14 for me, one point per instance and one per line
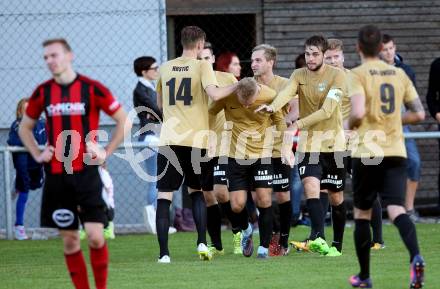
(183, 93)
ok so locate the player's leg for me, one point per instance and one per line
(364, 193)
(60, 211)
(169, 179)
(238, 185)
(393, 196)
(212, 208)
(376, 225)
(335, 174)
(281, 188)
(262, 172)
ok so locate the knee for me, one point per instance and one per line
(71, 242)
(209, 198)
(96, 239)
(237, 207)
(336, 198)
(282, 197)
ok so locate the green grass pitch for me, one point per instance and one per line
(40, 264)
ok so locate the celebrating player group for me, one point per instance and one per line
(230, 142)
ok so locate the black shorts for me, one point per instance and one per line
(220, 169)
(249, 174)
(177, 164)
(327, 167)
(281, 176)
(70, 197)
(388, 179)
(207, 177)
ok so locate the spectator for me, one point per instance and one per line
(390, 56)
(29, 174)
(144, 98)
(433, 101)
(229, 62)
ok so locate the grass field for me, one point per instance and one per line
(40, 264)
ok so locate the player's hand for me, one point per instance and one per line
(437, 117)
(264, 108)
(46, 155)
(287, 156)
(96, 153)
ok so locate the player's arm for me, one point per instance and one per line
(25, 131)
(123, 126)
(357, 110)
(216, 93)
(293, 114)
(415, 111)
(278, 120)
(283, 97)
(159, 94)
(330, 104)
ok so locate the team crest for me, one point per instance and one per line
(321, 86)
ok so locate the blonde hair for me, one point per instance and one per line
(20, 104)
(270, 52)
(334, 43)
(247, 87)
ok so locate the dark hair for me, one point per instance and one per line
(387, 38)
(61, 41)
(190, 35)
(318, 41)
(142, 63)
(300, 61)
(223, 61)
(370, 40)
(208, 45)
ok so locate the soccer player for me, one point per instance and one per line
(262, 62)
(321, 146)
(214, 183)
(249, 164)
(73, 187)
(389, 55)
(182, 90)
(377, 91)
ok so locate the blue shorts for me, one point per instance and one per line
(413, 165)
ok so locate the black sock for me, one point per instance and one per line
(265, 223)
(339, 216)
(323, 198)
(285, 220)
(163, 225)
(239, 221)
(276, 218)
(199, 215)
(376, 222)
(227, 210)
(362, 242)
(407, 231)
(214, 224)
(315, 212)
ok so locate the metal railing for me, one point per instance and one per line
(8, 150)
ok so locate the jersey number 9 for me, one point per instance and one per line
(387, 98)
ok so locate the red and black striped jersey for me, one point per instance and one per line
(72, 113)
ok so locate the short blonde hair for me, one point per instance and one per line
(270, 52)
(334, 43)
(247, 87)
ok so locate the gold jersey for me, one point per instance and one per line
(251, 134)
(181, 87)
(320, 118)
(217, 122)
(278, 83)
(386, 88)
(346, 103)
